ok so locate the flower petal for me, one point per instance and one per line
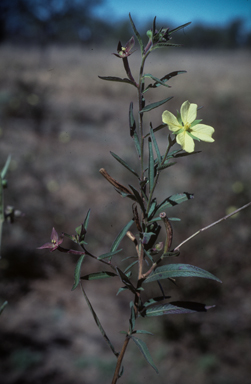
(172, 122)
(188, 112)
(46, 246)
(185, 141)
(54, 235)
(203, 132)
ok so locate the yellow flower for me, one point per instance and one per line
(187, 128)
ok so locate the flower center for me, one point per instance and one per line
(187, 127)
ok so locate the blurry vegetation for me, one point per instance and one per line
(73, 21)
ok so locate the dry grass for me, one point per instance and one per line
(59, 122)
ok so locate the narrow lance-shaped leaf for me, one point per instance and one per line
(158, 128)
(155, 144)
(108, 254)
(155, 300)
(179, 270)
(152, 209)
(1, 212)
(1, 200)
(99, 324)
(174, 200)
(121, 236)
(117, 79)
(132, 318)
(144, 350)
(150, 166)
(137, 35)
(157, 81)
(149, 107)
(3, 306)
(121, 161)
(6, 166)
(125, 280)
(98, 275)
(77, 272)
(138, 198)
(163, 45)
(130, 266)
(141, 331)
(175, 308)
(178, 28)
(86, 221)
(132, 123)
(163, 80)
(133, 132)
(166, 164)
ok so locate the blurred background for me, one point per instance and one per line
(59, 121)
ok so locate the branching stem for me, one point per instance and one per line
(211, 225)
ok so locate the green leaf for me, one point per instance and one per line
(1, 212)
(178, 28)
(132, 318)
(179, 270)
(157, 83)
(77, 272)
(152, 209)
(150, 166)
(148, 255)
(158, 128)
(108, 254)
(176, 308)
(121, 236)
(163, 80)
(98, 275)
(121, 290)
(166, 164)
(174, 200)
(137, 35)
(130, 266)
(99, 324)
(132, 123)
(3, 306)
(149, 107)
(136, 143)
(163, 45)
(155, 300)
(125, 280)
(159, 219)
(117, 79)
(6, 166)
(139, 331)
(144, 350)
(155, 145)
(133, 132)
(138, 198)
(124, 164)
(86, 221)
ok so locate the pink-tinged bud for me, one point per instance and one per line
(125, 51)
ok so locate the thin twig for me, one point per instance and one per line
(211, 225)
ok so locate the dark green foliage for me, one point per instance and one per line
(179, 270)
(96, 319)
(77, 272)
(157, 104)
(117, 79)
(144, 350)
